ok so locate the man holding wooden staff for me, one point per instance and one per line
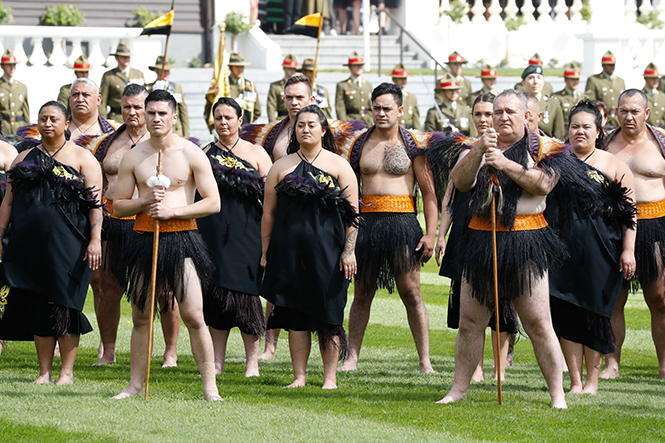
(182, 259)
(527, 245)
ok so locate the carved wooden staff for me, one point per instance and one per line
(496, 295)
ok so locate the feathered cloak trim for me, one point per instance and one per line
(236, 177)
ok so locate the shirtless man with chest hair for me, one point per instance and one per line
(109, 282)
(183, 258)
(642, 147)
(391, 244)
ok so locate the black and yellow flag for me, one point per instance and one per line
(161, 25)
(309, 25)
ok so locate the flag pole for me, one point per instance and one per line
(316, 59)
(161, 73)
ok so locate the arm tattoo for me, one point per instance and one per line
(395, 160)
(2, 232)
(350, 244)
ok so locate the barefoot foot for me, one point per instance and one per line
(170, 361)
(426, 368)
(267, 355)
(609, 373)
(104, 360)
(42, 379)
(451, 398)
(576, 389)
(559, 404)
(127, 393)
(65, 379)
(349, 365)
(296, 384)
(329, 385)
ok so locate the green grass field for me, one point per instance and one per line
(387, 399)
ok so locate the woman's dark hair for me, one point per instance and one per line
(228, 101)
(485, 97)
(62, 110)
(328, 141)
(590, 107)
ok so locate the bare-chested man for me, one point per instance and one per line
(110, 281)
(84, 101)
(391, 244)
(525, 184)
(183, 257)
(642, 147)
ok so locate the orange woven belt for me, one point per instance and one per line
(651, 210)
(388, 203)
(109, 207)
(145, 223)
(530, 222)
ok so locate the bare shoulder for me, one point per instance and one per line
(19, 158)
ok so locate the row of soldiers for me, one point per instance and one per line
(15, 110)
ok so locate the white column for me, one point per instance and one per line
(76, 51)
(575, 9)
(630, 11)
(560, 10)
(37, 58)
(96, 56)
(544, 12)
(645, 7)
(528, 10)
(511, 9)
(478, 11)
(495, 12)
(660, 9)
(19, 53)
(58, 55)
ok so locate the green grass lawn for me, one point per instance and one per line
(387, 399)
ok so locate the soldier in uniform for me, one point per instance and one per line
(552, 123)
(14, 107)
(321, 97)
(656, 97)
(606, 87)
(455, 114)
(243, 90)
(275, 105)
(81, 69)
(353, 95)
(569, 95)
(536, 60)
(181, 126)
(114, 82)
(455, 63)
(410, 119)
(488, 76)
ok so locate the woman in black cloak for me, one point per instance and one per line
(601, 244)
(51, 223)
(309, 235)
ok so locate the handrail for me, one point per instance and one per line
(403, 31)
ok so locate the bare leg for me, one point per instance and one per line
(300, 345)
(252, 346)
(358, 319)
(107, 308)
(574, 355)
(272, 335)
(95, 283)
(408, 286)
(505, 344)
(138, 353)
(534, 311)
(219, 339)
(45, 347)
(654, 295)
(2, 345)
(613, 360)
(170, 321)
(479, 374)
(593, 361)
(330, 358)
(191, 311)
(69, 346)
(356, 17)
(469, 345)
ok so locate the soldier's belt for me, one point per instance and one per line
(355, 111)
(388, 203)
(282, 113)
(115, 111)
(529, 222)
(13, 118)
(651, 210)
(145, 223)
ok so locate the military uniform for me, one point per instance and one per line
(322, 100)
(552, 122)
(465, 89)
(244, 91)
(276, 107)
(460, 117)
(14, 106)
(353, 101)
(63, 97)
(181, 127)
(567, 99)
(410, 119)
(111, 89)
(547, 88)
(606, 89)
(657, 106)
(474, 95)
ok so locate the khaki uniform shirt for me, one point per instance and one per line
(181, 126)
(465, 88)
(111, 89)
(460, 117)
(63, 97)
(657, 106)
(411, 117)
(322, 100)
(552, 121)
(567, 99)
(276, 107)
(472, 97)
(14, 107)
(547, 88)
(354, 102)
(607, 90)
(244, 91)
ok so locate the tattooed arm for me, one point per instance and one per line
(348, 181)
